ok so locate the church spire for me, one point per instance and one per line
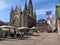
(11, 16)
(30, 1)
(30, 8)
(16, 9)
(12, 9)
(25, 9)
(25, 4)
(30, 4)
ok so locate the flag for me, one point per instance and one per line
(48, 18)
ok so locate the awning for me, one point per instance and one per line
(22, 28)
(33, 28)
(6, 26)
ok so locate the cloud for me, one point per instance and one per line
(39, 1)
(5, 19)
(43, 11)
(41, 6)
(40, 12)
(4, 5)
(44, 3)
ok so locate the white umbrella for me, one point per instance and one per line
(33, 27)
(6, 26)
(22, 28)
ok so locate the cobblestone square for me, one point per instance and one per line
(42, 39)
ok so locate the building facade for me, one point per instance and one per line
(42, 25)
(25, 18)
(58, 18)
(2, 23)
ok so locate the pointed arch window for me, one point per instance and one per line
(16, 20)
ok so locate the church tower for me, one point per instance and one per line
(25, 8)
(25, 13)
(12, 16)
(34, 16)
(30, 8)
(25, 18)
(17, 17)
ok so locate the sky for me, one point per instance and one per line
(41, 6)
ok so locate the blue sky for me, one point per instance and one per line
(41, 6)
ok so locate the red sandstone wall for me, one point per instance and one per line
(58, 26)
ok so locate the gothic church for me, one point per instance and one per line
(25, 18)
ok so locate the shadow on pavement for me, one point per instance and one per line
(14, 39)
(34, 35)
